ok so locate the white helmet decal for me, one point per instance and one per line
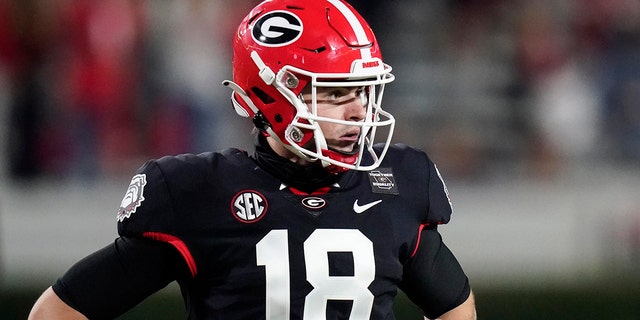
(277, 28)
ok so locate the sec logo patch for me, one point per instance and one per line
(249, 206)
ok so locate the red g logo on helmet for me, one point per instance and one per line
(277, 28)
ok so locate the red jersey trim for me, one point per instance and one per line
(415, 250)
(323, 190)
(178, 244)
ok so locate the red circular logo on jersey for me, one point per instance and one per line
(249, 206)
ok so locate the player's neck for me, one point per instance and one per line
(279, 149)
(307, 178)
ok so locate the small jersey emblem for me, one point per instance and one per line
(314, 203)
(133, 197)
(382, 181)
(362, 208)
(249, 206)
(277, 29)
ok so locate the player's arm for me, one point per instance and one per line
(434, 280)
(465, 311)
(50, 306)
(111, 281)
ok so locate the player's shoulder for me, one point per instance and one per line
(418, 179)
(409, 166)
(400, 154)
(404, 148)
(160, 182)
(195, 169)
(202, 161)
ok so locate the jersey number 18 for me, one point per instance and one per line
(273, 253)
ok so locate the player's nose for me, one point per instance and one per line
(356, 108)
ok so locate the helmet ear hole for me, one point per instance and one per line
(263, 96)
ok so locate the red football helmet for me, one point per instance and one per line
(283, 46)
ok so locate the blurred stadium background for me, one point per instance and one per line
(531, 109)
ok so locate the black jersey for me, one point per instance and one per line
(250, 247)
(258, 249)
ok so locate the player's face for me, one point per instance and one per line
(341, 103)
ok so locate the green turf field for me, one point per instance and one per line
(619, 301)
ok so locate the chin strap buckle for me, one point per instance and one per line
(267, 75)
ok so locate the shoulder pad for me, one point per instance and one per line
(425, 179)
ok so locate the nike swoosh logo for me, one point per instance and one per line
(362, 208)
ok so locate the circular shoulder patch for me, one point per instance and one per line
(277, 28)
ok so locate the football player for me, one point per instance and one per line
(326, 219)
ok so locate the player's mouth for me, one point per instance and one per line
(350, 137)
(346, 142)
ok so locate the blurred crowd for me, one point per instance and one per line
(91, 89)
(95, 87)
(516, 87)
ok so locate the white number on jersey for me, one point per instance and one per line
(273, 253)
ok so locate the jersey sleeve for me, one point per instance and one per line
(146, 205)
(115, 278)
(433, 279)
(147, 209)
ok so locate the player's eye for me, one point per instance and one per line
(342, 95)
(334, 95)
